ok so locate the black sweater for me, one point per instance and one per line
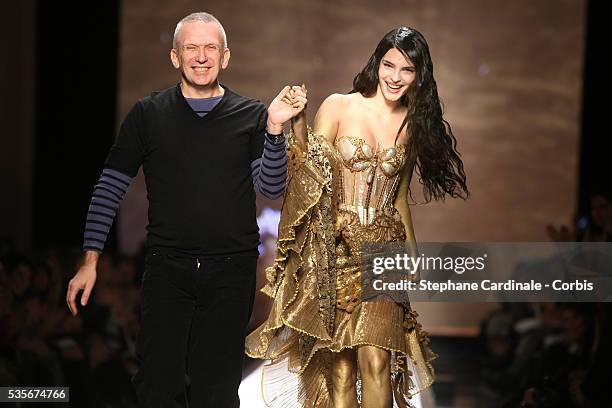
(197, 171)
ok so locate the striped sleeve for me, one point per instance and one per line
(269, 171)
(107, 195)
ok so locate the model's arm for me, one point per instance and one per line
(402, 206)
(299, 127)
(325, 122)
(299, 124)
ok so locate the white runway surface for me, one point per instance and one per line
(250, 390)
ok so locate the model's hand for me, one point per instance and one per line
(300, 94)
(84, 280)
(287, 104)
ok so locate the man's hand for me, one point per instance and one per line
(84, 280)
(287, 104)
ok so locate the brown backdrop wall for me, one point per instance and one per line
(17, 106)
(509, 75)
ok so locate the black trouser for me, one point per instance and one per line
(192, 330)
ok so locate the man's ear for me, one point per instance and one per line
(174, 57)
(225, 58)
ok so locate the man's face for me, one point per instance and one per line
(395, 74)
(200, 54)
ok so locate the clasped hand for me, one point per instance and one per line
(289, 103)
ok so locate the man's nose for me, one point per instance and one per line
(201, 55)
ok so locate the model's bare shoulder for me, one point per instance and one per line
(329, 114)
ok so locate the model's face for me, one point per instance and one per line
(395, 74)
(200, 54)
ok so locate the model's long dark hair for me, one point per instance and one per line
(430, 137)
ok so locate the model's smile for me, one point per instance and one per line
(394, 88)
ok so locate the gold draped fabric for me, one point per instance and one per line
(337, 198)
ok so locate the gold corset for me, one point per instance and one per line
(367, 185)
(367, 180)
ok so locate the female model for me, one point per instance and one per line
(348, 185)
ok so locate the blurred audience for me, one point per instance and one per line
(551, 354)
(41, 344)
